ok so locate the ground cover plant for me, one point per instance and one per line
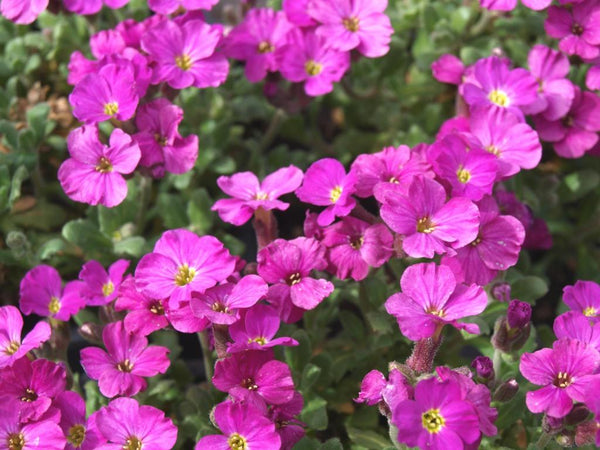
(307, 224)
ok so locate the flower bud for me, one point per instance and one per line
(585, 434)
(91, 332)
(552, 425)
(566, 438)
(506, 391)
(578, 414)
(484, 368)
(501, 292)
(518, 314)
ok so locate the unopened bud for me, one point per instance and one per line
(518, 314)
(585, 434)
(501, 292)
(566, 438)
(578, 414)
(91, 332)
(484, 367)
(508, 339)
(506, 391)
(552, 425)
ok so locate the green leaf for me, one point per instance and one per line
(37, 118)
(529, 289)
(86, 235)
(199, 213)
(51, 248)
(314, 414)
(133, 246)
(172, 210)
(310, 375)
(19, 176)
(367, 438)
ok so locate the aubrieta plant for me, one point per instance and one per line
(397, 183)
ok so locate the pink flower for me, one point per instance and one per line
(289, 428)
(87, 7)
(584, 297)
(170, 6)
(41, 293)
(161, 145)
(254, 376)
(80, 433)
(578, 28)
(375, 389)
(108, 93)
(221, 304)
(146, 314)
(555, 91)
(99, 286)
(287, 266)
(121, 371)
(185, 54)
(577, 132)
(448, 69)
(592, 78)
(349, 24)
(429, 223)
(94, 173)
(574, 325)
(564, 371)
(45, 434)
(256, 40)
(353, 246)
(11, 346)
(430, 299)
(296, 12)
(127, 425)
(257, 330)
(307, 58)
(439, 417)
(33, 385)
(509, 5)
(22, 11)
(249, 195)
(326, 184)
(182, 263)
(243, 426)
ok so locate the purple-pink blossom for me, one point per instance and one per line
(584, 296)
(577, 27)
(15, 434)
(12, 347)
(100, 286)
(81, 433)
(22, 11)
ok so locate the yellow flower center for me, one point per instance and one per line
(433, 421)
(54, 305)
(76, 435)
(265, 47)
(313, 68)
(160, 139)
(125, 366)
(108, 288)
(425, 225)
(261, 196)
(476, 242)
(185, 275)
(563, 380)
(463, 175)
(157, 308)
(357, 242)
(104, 165)
(184, 62)
(132, 443)
(237, 442)
(16, 441)
(493, 150)
(29, 396)
(219, 307)
(435, 312)
(590, 311)
(250, 384)
(351, 24)
(111, 108)
(335, 194)
(12, 348)
(499, 98)
(259, 340)
(294, 278)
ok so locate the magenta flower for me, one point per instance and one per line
(296, 12)
(108, 93)
(22, 11)
(287, 266)
(496, 247)
(257, 330)
(509, 5)
(438, 418)
(221, 304)
(184, 320)
(448, 69)
(326, 184)
(161, 145)
(256, 39)
(290, 429)
(375, 389)
(45, 434)
(430, 299)
(243, 426)
(470, 172)
(249, 195)
(127, 425)
(182, 263)
(555, 91)
(430, 224)
(516, 145)
(564, 371)
(577, 27)
(87, 7)
(353, 24)
(81, 433)
(11, 346)
(41, 293)
(121, 370)
(577, 132)
(185, 54)
(94, 173)
(494, 85)
(100, 287)
(353, 246)
(33, 385)
(584, 297)
(592, 78)
(170, 6)
(575, 325)
(390, 165)
(307, 58)
(254, 376)
(146, 314)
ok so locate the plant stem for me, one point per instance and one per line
(543, 440)
(145, 188)
(497, 363)
(206, 354)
